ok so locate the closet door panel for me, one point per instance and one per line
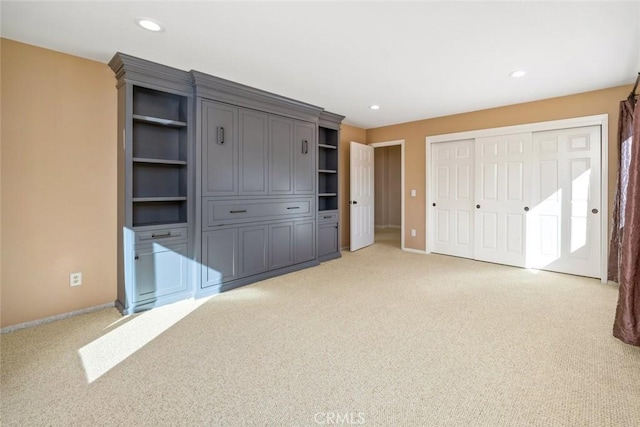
(453, 181)
(566, 200)
(503, 179)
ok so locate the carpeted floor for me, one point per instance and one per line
(378, 337)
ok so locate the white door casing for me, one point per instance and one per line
(564, 223)
(452, 197)
(502, 185)
(361, 198)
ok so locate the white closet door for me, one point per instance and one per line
(453, 192)
(564, 231)
(502, 184)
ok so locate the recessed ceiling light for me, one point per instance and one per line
(518, 73)
(374, 107)
(150, 24)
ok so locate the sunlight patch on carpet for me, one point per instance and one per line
(103, 354)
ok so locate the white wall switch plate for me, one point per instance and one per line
(413, 233)
(413, 193)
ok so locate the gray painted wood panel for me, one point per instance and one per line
(160, 271)
(253, 250)
(219, 149)
(280, 155)
(220, 251)
(304, 148)
(304, 235)
(280, 245)
(254, 148)
(327, 239)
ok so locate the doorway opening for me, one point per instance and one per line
(389, 193)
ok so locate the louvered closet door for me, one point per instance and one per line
(453, 192)
(502, 184)
(564, 231)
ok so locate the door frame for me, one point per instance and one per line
(601, 120)
(399, 142)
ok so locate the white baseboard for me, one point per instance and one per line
(56, 317)
(415, 251)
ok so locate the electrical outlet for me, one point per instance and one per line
(413, 233)
(75, 279)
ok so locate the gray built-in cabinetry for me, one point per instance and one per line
(219, 184)
(328, 213)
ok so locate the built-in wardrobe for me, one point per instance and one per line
(219, 184)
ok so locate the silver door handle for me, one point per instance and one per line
(167, 234)
(595, 211)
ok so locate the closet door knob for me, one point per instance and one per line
(526, 208)
(477, 206)
(595, 211)
(434, 204)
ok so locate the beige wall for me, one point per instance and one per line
(58, 174)
(347, 134)
(414, 133)
(388, 186)
(58, 178)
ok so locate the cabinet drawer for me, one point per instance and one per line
(331, 216)
(232, 212)
(165, 235)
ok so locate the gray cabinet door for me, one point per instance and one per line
(220, 251)
(280, 245)
(304, 149)
(219, 149)
(304, 241)
(160, 271)
(327, 239)
(253, 250)
(254, 148)
(280, 155)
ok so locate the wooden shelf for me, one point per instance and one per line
(159, 121)
(332, 147)
(159, 161)
(158, 199)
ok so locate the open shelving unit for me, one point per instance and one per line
(327, 169)
(159, 180)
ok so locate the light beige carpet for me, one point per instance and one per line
(378, 337)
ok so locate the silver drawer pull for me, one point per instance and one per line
(293, 207)
(155, 236)
(240, 211)
(327, 217)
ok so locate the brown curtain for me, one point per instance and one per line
(624, 254)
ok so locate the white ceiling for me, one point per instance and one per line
(416, 59)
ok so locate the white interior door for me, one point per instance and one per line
(361, 196)
(452, 201)
(502, 185)
(564, 231)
